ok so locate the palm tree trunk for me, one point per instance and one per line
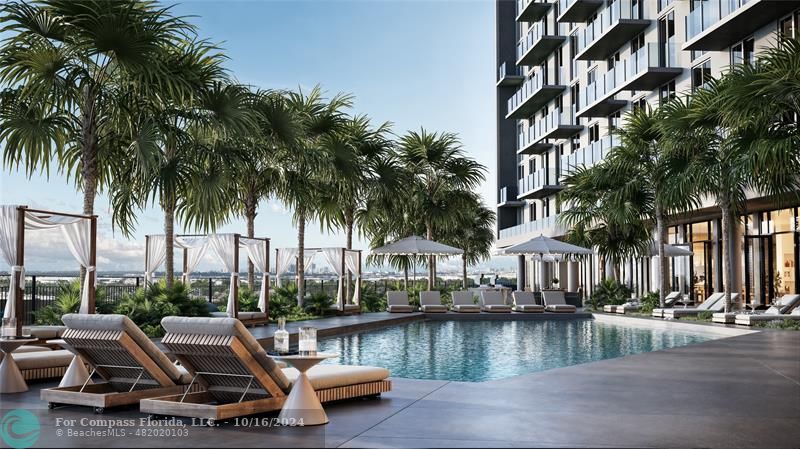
(88, 156)
(301, 269)
(169, 243)
(405, 278)
(250, 215)
(727, 269)
(464, 271)
(661, 232)
(431, 260)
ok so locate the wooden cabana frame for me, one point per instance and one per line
(19, 297)
(342, 265)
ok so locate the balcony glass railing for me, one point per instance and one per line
(507, 70)
(588, 156)
(556, 118)
(707, 13)
(608, 17)
(535, 34)
(534, 85)
(537, 180)
(535, 226)
(503, 195)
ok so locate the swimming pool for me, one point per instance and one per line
(475, 351)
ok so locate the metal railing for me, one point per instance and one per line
(707, 13)
(522, 4)
(535, 34)
(588, 156)
(533, 85)
(608, 17)
(553, 120)
(535, 226)
(538, 179)
(503, 195)
(506, 70)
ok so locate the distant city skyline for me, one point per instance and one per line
(414, 63)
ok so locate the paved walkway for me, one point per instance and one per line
(736, 392)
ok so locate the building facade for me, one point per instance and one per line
(569, 71)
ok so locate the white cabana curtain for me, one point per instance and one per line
(351, 259)
(284, 257)
(156, 254)
(308, 256)
(257, 253)
(334, 258)
(8, 251)
(79, 242)
(222, 245)
(195, 250)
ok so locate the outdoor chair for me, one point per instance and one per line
(784, 309)
(464, 302)
(525, 302)
(714, 303)
(397, 302)
(492, 301)
(669, 301)
(431, 302)
(554, 302)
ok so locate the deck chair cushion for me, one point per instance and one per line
(252, 316)
(227, 327)
(42, 359)
(332, 376)
(430, 298)
(524, 298)
(124, 324)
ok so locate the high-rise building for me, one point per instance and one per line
(569, 71)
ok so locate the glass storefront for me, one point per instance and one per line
(772, 247)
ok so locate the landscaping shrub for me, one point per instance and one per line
(248, 300)
(649, 302)
(67, 301)
(319, 303)
(705, 315)
(608, 291)
(147, 306)
(792, 325)
(371, 301)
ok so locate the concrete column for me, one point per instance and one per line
(572, 276)
(543, 282)
(521, 273)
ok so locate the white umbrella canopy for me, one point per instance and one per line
(670, 250)
(545, 246)
(417, 246)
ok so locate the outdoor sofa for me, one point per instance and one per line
(397, 302)
(492, 301)
(554, 302)
(431, 302)
(525, 302)
(464, 302)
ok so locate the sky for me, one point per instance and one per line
(415, 63)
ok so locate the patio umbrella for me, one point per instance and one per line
(545, 246)
(417, 246)
(670, 250)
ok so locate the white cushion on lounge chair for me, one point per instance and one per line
(30, 348)
(397, 301)
(464, 302)
(493, 302)
(123, 323)
(714, 303)
(431, 301)
(252, 316)
(44, 332)
(610, 308)
(526, 302)
(226, 327)
(219, 315)
(331, 376)
(42, 359)
(554, 302)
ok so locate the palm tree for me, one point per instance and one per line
(646, 171)
(307, 163)
(440, 169)
(67, 66)
(474, 233)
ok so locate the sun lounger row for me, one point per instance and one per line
(786, 308)
(223, 371)
(492, 301)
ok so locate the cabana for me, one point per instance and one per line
(341, 261)
(226, 248)
(80, 234)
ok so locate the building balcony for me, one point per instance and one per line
(526, 143)
(558, 124)
(616, 25)
(535, 93)
(532, 10)
(505, 202)
(539, 184)
(578, 10)
(597, 99)
(509, 75)
(588, 156)
(650, 67)
(537, 44)
(714, 25)
(546, 225)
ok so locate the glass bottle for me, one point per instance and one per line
(281, 337)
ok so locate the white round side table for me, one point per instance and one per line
(76, 373)
(11, 380)
(302, 407)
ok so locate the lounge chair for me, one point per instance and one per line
(526, 302)
(431, 302)
(130, 363)
(669, 301)
(714, 303)
(554, 302)
(787, 308)
(464, 302)
(253, 318)
(630, 306)
(492, 301)
(397, 302)
(238, 378)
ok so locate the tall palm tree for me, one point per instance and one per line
(307, 163)
(474, 233)
(66, 65)
(440, 169)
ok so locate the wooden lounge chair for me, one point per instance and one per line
(431, 302)
(253, 318)
(554, 302)
(238, 378)
(714, 303)
(492, 301)
(464, 302)
(397, 302)
(526, 302)
(131, 365)
(669, 301)
(787, 308)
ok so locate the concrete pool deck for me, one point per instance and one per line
(741, 391)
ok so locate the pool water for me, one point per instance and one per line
(475, 351)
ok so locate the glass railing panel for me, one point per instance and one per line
(707, 13)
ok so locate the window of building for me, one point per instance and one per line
(575, 144)
(788, 26)
(640, 103)
(663, 4)
(614, 120)
(574, 95)
(532, 211)
(637, 43)
(546, 207)
(743, 52)
(666, 92)
(701, 74)
(594, 132)
(591, 76)
(573, 50)
(666, 40)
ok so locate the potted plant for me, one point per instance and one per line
(555, 283)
